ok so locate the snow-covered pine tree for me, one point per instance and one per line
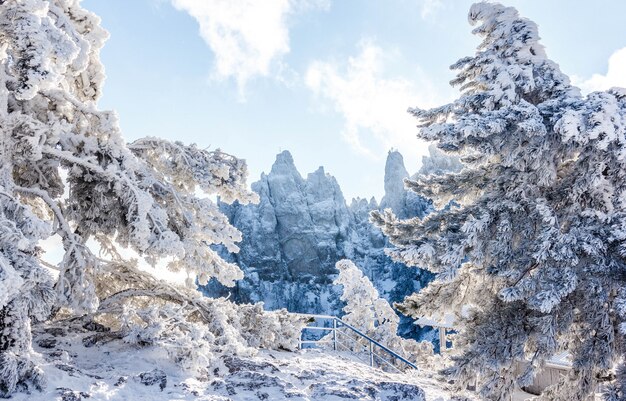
(373, 315)
(364, 308)
(66, 171)
(532, 259)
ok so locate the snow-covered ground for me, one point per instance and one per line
(118, 371)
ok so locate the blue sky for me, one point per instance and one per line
(329, 80)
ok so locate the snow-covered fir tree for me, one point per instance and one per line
(66, 171)
(531, 259)
(366, 310)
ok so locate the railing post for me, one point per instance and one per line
(442, 340)
(371, 354)
(335, 334)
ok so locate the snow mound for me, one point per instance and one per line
(78, 370)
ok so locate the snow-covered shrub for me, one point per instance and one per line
(277, 329)
(66, 171)
(190, 327)
(369, 313)
(534, 249)
(192, 342)
(167, 326)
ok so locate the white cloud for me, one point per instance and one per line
(430, 7)
(248, 37)
(615, 76)
(373, 106)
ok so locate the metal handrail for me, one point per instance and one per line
(381, 359)
(372, 341)
(355, 342)
(336, 325)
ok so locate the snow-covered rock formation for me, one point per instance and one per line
(438, 163)
(302, 227)
(405, 204)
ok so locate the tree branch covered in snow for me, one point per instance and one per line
(533, 251)
(189, 326)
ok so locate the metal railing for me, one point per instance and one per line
(375, 359)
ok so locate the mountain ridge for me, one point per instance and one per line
(302, 226)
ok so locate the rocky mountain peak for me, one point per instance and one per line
(285, 166)
(437, 162)
(395, 193)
